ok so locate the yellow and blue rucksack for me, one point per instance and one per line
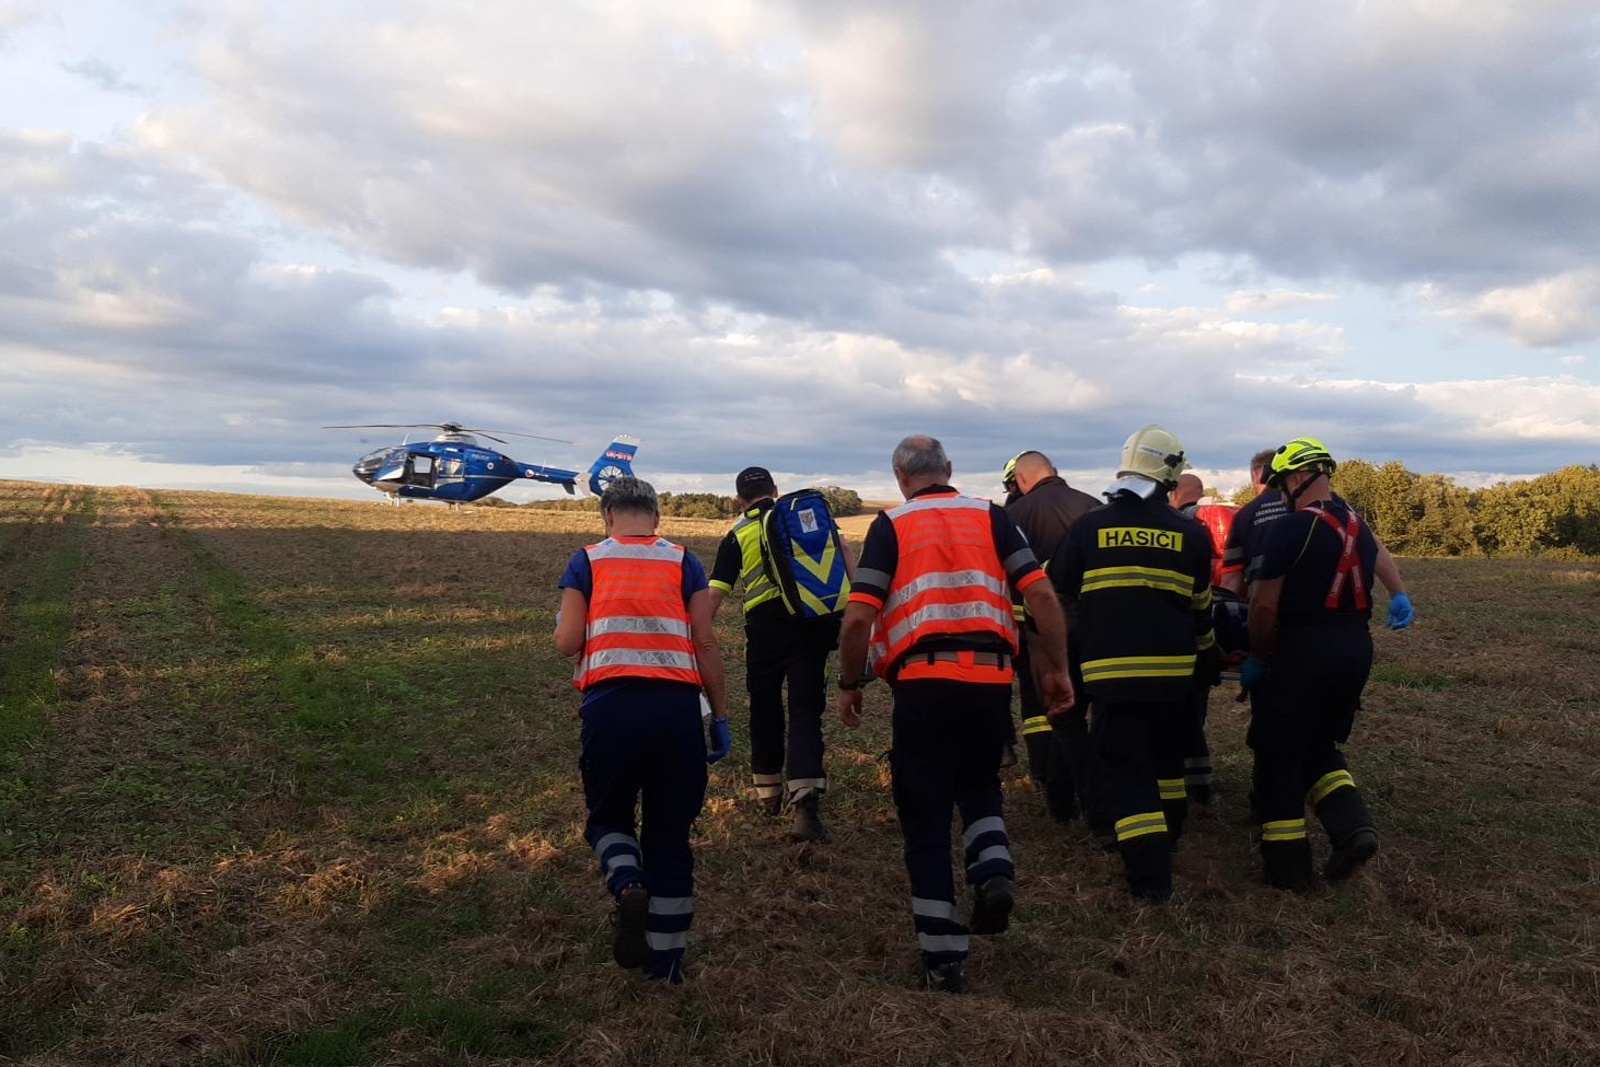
(804, 555)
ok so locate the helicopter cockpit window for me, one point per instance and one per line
(450, 468)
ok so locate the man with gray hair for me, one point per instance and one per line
(931, 595)
(637, 611)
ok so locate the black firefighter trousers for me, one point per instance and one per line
(1301, 712)
(1141, 747)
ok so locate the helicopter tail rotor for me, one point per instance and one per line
(615, 462)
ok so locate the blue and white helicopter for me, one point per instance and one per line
(455, 468)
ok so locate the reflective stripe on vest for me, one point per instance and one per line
(758, 588)
(948, 581)
(1349, 533)
(637, 624)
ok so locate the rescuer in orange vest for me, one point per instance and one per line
(637, 611)
(932, 595)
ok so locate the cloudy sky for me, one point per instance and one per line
(789, 233)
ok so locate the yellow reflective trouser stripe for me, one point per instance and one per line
(1150, 822)
(1327, 784)
(1171, 788)
(1284, 830)
(1099, 670)
(1036, 724)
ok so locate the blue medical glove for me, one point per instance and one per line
(1400, 612)
(721, 740)
(1251, 671)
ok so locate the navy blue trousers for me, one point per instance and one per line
(644, 746)
(947, 742)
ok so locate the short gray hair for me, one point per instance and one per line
(920, 455)
(630, 494)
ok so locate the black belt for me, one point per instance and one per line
(977, 659)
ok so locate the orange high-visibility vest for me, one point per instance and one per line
(948, 581)
(637, 624)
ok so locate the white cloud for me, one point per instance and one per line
(1262, 301)
(1560, 310)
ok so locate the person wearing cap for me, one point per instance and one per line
(931, 598)
(1140, 575)
(786, 761)
(1060, 756)
(636, 611)
(1310, 655)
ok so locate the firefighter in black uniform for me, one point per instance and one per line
(1140, 574)
(1060, 758)
(1310, 654)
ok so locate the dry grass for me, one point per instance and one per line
(302, 790)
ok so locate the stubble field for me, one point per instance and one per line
(294, 782)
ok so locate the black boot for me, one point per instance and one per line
(628, 945)
(1147, 861)
(1348, 857)
(1287, 864)
(991, 906)
(944, 977)
(808, 826)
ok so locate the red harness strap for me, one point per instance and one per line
(1349, 533)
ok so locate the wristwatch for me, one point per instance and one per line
(850, 687)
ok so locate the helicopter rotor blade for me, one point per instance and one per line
(529, 436)
(447, 427)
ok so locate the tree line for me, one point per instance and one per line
(702, 505)
(1430, 515)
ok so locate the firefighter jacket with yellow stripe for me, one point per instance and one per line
(1140, 575)
(739, 561)
(637, 625)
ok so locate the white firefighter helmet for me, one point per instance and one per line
(1155, 454)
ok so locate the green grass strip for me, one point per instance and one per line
(318, 697)
(38, 619)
